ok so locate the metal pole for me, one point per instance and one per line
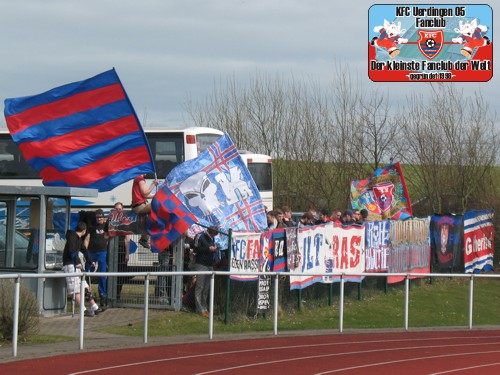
(407, 293)
(146, 307)
(211, 314)
(299, 299)
(82, 305)
(471, 298)
(276, 304)
(15, 323)
(228, 282)
(341, 304)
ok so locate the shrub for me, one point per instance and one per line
(28, 321)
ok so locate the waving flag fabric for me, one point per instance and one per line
(83, 134)
(218, 189)
(385, 195)
(168, 220)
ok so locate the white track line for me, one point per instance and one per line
(345, 353)
(405, 360)
(296, 347)
(466, 368)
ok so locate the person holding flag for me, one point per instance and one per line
(140, 205)
(204, 247)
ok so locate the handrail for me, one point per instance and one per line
(147, 275)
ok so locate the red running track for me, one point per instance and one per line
(457, 352)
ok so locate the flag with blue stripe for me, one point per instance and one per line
(83, 134)
(218, 189)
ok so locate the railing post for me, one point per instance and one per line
(211, 307)
(407, 293)
(15, 323)
(341, 304)
(228, 282)
(471, 299)
(82, 313)
(146, 307)
(276, 290)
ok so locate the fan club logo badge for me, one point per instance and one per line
(430, 42)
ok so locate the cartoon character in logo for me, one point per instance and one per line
(471, 36)
(200, 192)
(390, 37)
(384, 195)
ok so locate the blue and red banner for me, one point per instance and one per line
(478, 241)
(168, 220)
(446, 240)
(83, 134)
(377, 245)
(385, 195)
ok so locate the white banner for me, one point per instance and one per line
(246, 249)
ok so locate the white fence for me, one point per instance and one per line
(275, 275)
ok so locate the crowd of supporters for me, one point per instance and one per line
(283, 218)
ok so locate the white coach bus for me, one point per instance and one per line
(169, 148)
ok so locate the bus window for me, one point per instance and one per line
(168, 151)
(12, 163)
(262, 175)
(203, 141)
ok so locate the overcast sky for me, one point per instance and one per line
(168, 50)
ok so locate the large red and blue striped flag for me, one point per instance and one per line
(83, 134)
(168, 220)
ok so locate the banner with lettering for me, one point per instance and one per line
(478, 241)
(292, 249)
(311, 257)
(409, 250)
(246, 250)
(446, 241)
(278, 249)
(430, 42)
(377, 245)
(328, 249)
(348, 248)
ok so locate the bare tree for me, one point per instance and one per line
(322, 137)
(451, 143)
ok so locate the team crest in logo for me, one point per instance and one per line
(384, 195)
(430, 42)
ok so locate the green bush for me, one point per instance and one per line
(28, 322)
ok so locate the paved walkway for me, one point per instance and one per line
(65, 325)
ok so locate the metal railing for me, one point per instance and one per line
(276, 275)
